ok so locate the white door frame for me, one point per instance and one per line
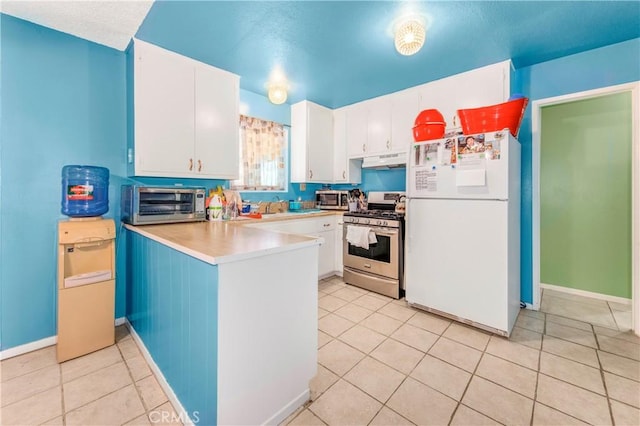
(537, 106)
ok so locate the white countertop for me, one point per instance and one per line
(223, 242)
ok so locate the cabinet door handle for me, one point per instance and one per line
(344, 174)
(310, 174)
(190, 164)
(199, 165)
(388, 144)
(326, 224)
(364, 148)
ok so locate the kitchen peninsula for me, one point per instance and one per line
(228, 313)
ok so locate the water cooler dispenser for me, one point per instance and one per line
(86, 286)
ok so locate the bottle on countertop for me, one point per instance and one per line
(215, 208)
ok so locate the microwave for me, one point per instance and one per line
(143, 205)
(329, 199)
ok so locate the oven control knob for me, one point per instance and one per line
(385, 223)
(379, 223)
(366, 221)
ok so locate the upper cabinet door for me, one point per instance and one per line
(311, 143)
(320, 143)
(379, 125)
(405, 108)
(163, 99)
(357, 130)
(340, 145)
(217, 140)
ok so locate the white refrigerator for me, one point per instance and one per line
(462, 257)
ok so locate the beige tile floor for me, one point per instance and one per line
(113, 386)
(594, 311)
(381, 362)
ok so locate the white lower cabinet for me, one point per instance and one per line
(326, 257)
(323, 226)
(339, 244)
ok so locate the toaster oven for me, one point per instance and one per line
(142, 205)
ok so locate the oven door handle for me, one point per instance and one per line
(386, 234)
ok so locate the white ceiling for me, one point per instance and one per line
(108, 22)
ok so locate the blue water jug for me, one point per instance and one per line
(85, 191)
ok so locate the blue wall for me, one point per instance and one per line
(607, 66)
(63, 102)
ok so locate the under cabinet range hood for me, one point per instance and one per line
(385, 161)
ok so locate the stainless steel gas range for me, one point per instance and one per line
(375, 264)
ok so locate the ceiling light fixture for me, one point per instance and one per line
(277, 92)
(409, 35)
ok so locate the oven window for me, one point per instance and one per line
(161, 203)
(380, 251)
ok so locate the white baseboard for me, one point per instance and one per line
(585, 293)
(28, 347)
(290, 408)
(42, 343)
(182, 413)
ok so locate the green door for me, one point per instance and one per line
(585, 195)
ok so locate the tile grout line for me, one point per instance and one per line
(535, 392)
(615, 321)
(64, 410)
(602, 376)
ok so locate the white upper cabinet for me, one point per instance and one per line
(357, 130)
(216, 123)
(382, 125)
(345, 170)
(378, 125)
(311, 143)
(472, 89)
(163, 98)
(405, 106)
(185, 116)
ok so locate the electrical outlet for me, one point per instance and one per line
(303, 187)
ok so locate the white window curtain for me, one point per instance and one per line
(263, 150)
